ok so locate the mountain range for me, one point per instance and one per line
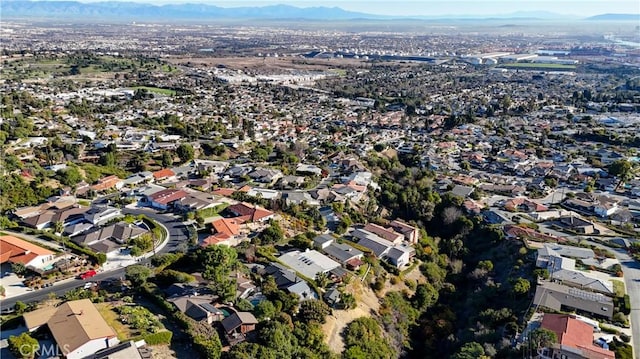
(131, 11)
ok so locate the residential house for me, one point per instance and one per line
(263, 193)
(308, 169)
(238, 325)
(378, 246)
(523, 204)
(581, 280)
(265, 175)
(549, 250)
(462, 191)
(47, 218)
(126, 350)
(297, 198)
(164, 175)
(332, 296)
(108, 183)
(16, 250)
(198, 308)
(291, 181)
(107, 239)
(388, 234)
(286, 279)
(76, 326)
(400, 255)
(323, 241)
(605, 207)
(216, 167)
(308, 263)
(511, 190)
(410, 233)
(246, 212)
(163, 199)
(138, 179)
(225, 232)
(99, 215)
(575, 339)
(578, 225)
(560, 297)
(517, 232)
(396, 254)
(346, 255)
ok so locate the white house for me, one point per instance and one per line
(101, 215)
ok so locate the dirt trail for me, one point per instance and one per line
(368, 303)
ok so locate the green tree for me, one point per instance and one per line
(542, 338)
(363, 339)
(426, 296)
(471, 350)
(23, 346)
(20, 307)
(167, 159)
(622, 169)
(69, 176)
(313, 310)
(264, 310)
(186, 152)
(108, 159)
(521, 286)
(218, 262)
(271, 234)
(137, 274)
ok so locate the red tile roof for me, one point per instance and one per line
(106, 183)
(227, 226)
(166, 196)
(16, 250)
(163, 173)
(575, 333)
(215, 239)
(226, 192)
(249, 213)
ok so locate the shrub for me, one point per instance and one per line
(158, 338)
(170, 276)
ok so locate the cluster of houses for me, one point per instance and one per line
(96, 227)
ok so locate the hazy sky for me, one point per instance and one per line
(439, 7)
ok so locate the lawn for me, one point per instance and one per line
(122, 331)
(156, 90)
(528, 65)
(618, 287)
(213, 211)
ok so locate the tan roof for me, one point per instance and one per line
(37, 318)
(77, 322)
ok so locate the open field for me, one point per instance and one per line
(527, 65)
(271, 64)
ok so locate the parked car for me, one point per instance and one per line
(89, 285)
(88, 274)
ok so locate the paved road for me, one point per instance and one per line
(178, 234)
